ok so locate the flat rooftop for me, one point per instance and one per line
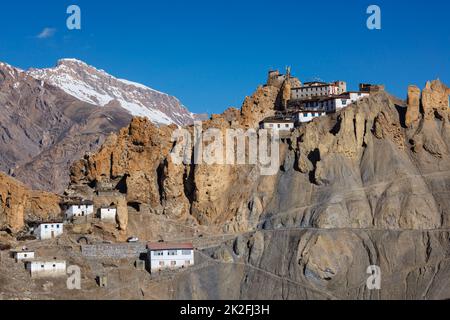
(169, 246)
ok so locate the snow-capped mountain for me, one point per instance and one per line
(43, 130)
(97, 87)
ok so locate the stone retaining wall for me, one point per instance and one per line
(115, 251)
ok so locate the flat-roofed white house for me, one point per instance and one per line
(308, 115)
(162, 256)
(108, 214)
(347, 98)
(46, 269)
(277, 124)
(82, 209)
(24, 255)
(49, 231)
(333, 104)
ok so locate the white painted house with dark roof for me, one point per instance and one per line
(80, 209)
(277, 124)
(162, 256)
(49, 231)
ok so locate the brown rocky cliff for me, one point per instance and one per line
(433, 98)
(413, 112)
(362, 167)
(357, 188)
(17, 202)
(138, 164)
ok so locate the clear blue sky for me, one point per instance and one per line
(211, 54)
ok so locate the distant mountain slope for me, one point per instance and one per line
(51, 117)
(43, 129)
(97, 87)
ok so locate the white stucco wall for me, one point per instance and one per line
(49, 231)
(108, 214)
(278, 126)
(183, 258)
(354, 96)
(334, 104)
(24, 255)
(79, 211)
(308, 116)
(43, 269)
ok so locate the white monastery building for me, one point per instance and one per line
(308, 115)
(24, 255)
(108, 214)
(83, 209)
(277, 124)
(162, 256)
(311, 90)
(310, 100)
(46, 269)
(333, 104)
(49, 231)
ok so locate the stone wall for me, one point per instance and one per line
(114, 251)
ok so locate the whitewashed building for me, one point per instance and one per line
(49, 231)
(108, 214)
(46, 269)
(83, 209)
(333, 104)
(277, 124)
(163, 256)
(311, 90)
(307, 116)
(348, 98)
(24, 255)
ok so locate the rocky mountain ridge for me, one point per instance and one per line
(49, 118)
(97, 87)
(366, 186)
(43, 130)
(350, 182)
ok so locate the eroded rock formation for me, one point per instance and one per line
(363, 167)
(366, 186)
(17, 202)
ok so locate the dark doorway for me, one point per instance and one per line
(135, 205)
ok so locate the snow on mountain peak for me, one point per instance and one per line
(71, 60)
(12, 71)
(97, 87)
